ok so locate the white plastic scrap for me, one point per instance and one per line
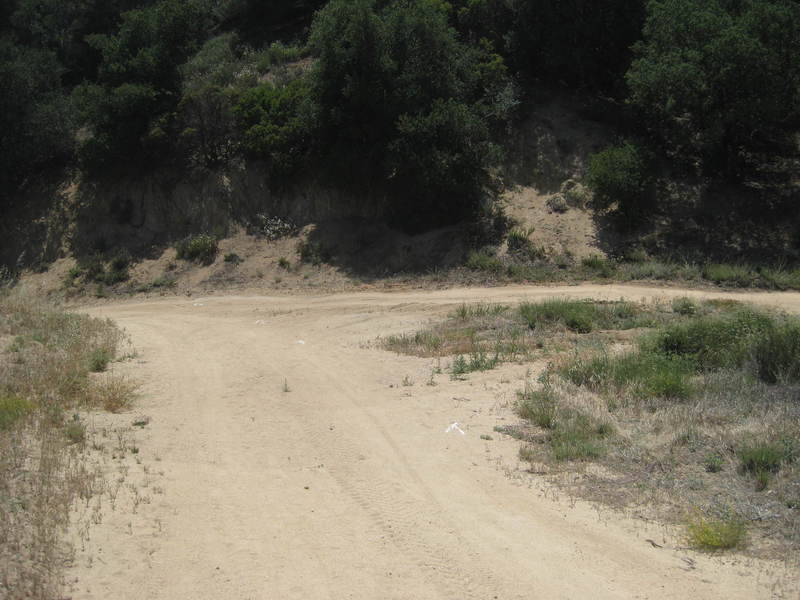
(301, 342)
(455, 427)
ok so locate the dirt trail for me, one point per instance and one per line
(347, 485)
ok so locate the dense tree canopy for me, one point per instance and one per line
(719, 79)
(403, 101)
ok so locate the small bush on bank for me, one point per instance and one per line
(200, 248)
(618, 176)
(478, 260)
(537, 406)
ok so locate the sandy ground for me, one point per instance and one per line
(349, 484)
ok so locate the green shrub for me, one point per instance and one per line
(233, 258)
(284, 263)
(766, 457)
(576, 315)
(278, 122)
(715, 341)
(733, 275)
(118, 266)
(578, 436)
(575, 193)
(537, 406)
(777, 354)
(12, 409)
(684, 306)
(75, 431)
(99, 359)
(601, 266)
(705, 533)
(713, 463)
(278, 53)
(521, 247)
(643, 374)
(200, 248)
(557, 203)
(479, 260)
(618, 176)
(781, 279)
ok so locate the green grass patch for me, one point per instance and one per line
(777, 354)
(12, 409)
(537, 406)
(767, 457)
(478, 260)
(575, 315)
(466, 311)
(685, 306)
(641, 374)
(99, 359)
(713, 342)
(730, 275)
(577, 436)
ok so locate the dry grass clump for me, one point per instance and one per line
(44, 372)
(482, 336)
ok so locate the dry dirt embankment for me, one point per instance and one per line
(299, 461)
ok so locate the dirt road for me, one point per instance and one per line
(348, 484)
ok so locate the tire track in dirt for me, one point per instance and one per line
(345, 488)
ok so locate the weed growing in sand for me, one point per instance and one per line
(712, 534)
(46, 374)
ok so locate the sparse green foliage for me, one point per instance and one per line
(713, 463)
(777, 354)
(233, 258)
(537, 406)
(684, 306)
(710, 534)
(576, 315)
(75, 430)
(12, 409)
(484, 261)
(99, 359)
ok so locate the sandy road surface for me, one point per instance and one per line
(347, 486)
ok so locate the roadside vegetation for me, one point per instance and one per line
(52, 370)
(540, 266)
(688, 409)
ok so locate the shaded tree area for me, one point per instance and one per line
(406, 104)
(718, 82)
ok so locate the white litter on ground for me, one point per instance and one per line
(454, 427)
